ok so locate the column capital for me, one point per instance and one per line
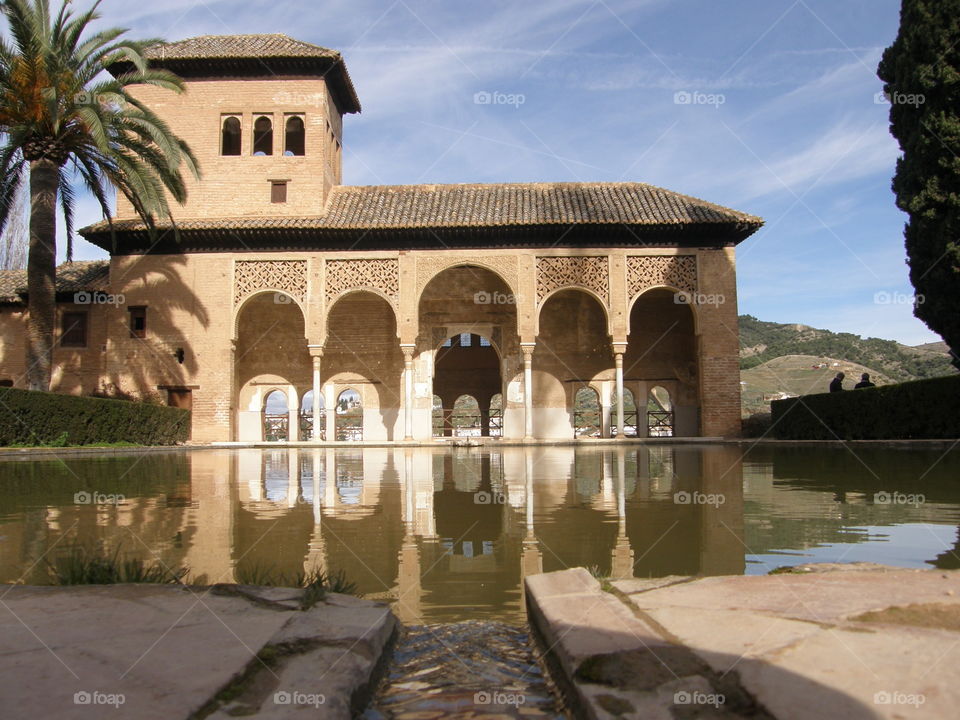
(407, 349)
(316, 351)
(527, 348)
(619, 347)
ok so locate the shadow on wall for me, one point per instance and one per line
(161, 354)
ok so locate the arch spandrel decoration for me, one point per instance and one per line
(251, 276)
(647, 271)
(592, 273)
(503, 265)
(381, 275)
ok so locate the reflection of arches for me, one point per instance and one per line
(466, 365)
(349, 416)
(276, 417)
(660, 419)
(586, 413)
(306, 418)
(662, 349)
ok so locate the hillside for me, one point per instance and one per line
(792, 375)
(762, 341)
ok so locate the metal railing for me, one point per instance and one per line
(586, 423)
(276, 427)
(659, 423)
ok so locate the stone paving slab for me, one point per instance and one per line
(791, 646)
(163, 651)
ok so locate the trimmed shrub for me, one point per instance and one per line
(919, 409)
(41, 418)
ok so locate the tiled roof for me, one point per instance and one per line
(207, 47)
(401, 207)
(71, 277)
(245, 55)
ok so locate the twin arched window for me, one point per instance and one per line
(294, 136)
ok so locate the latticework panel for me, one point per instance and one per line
(288, 276)
(381, 275)
(647, 271)
(554, 273)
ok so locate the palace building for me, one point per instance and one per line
(292, 307)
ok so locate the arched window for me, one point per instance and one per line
(263, 136)
(295, 137)
(230, 137)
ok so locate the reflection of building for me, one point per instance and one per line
(282, 279)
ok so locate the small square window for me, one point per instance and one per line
(278, 192)
(73, 329)
(138, 321)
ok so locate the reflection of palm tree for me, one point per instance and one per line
(950, 559)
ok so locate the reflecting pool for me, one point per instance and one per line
(449, 534)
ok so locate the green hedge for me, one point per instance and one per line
(41, 418)
(919, 409)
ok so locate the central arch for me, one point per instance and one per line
(466, 365)
(468, 345)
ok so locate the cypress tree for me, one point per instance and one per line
(921, 75)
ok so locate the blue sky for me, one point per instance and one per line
(782, 119)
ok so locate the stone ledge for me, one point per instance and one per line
(186, 652)
(831, 641)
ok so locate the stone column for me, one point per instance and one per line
(407, 391)
(527, 349)
(293, 415)
(618, 350)
(316, 354)
(330, 400)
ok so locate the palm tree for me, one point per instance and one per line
(63, 118)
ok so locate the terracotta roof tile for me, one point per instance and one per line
(71, 277)
(207, 47)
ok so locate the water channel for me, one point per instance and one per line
(447, 535)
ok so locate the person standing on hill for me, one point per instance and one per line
(864, 382)
(836, 385)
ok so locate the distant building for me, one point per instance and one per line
(283, 280)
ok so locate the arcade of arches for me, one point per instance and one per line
(421, 346)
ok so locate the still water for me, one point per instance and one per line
(448, 535)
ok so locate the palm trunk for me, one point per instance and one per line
(41, 272)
